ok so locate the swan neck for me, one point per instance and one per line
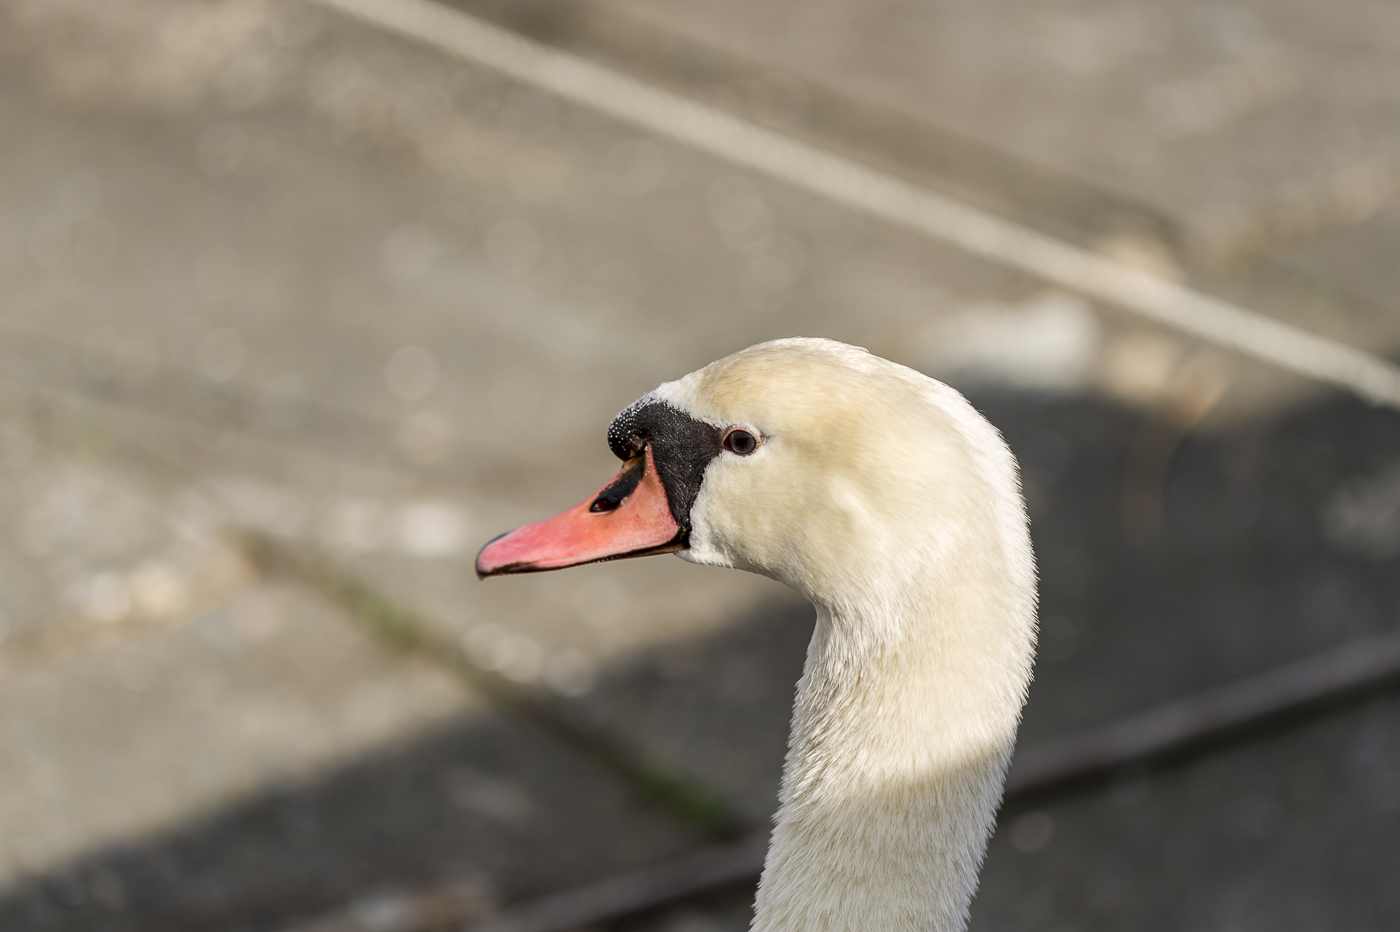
(895, 765)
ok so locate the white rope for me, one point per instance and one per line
(884, 196)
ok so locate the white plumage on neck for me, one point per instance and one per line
(890, 789)
(896, 508)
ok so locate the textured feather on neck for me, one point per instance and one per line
(890, 503)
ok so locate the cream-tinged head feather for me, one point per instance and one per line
(886, 499)
(889, 502)
(870, 475)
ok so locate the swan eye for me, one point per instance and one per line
(740, 441)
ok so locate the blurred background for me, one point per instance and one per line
(296, 313)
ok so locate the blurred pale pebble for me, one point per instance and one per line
(105, 597)
(195, 514)
(1364, 516)
(1047, 343)
(384, 912)
(1138, 367)
(423, 528)
(59, 516)
(429, 528)
(569, 673)
(517, 657)
(166, 54)
(158, 590)
(487, 795)
(200, 30)
(1216, 96)
(463, 898)
(1143, 253)
(480, 643)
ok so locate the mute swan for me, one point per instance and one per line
(885, 499)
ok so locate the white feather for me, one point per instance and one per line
(895, 507)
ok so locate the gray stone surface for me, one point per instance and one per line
(1210, 113)
(1234, 841)
(263, 690)
(264, 268)
(1190, 137)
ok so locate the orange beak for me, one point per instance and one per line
(628, 517)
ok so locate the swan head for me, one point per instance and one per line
(842, 474)
(882, 496)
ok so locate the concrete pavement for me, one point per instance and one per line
(262, 267)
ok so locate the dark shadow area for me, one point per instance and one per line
(1289, 831)
(487, 806)
(811, 106)
(1252, 565)
(1267, 550)
(477, 805)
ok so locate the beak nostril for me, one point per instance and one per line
(612, 497)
